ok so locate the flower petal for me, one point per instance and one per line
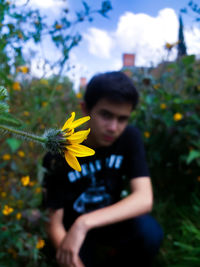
(72, 161)
(78, 137)
(79, 122)
(68, 122)
(80, 150)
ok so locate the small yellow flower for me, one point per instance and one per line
(7, 210)
(44, 104)
(6, 157)
(146, 134)
(79, 95)
(26, 113)
(23, 69)
(16, 86)
(73, 148)
(198, 178)
(58, 87)
(163, 106)
(21, 153)
(58, 26)
(18, 216)
(25, 180)
(32, 183)
(169, 46)
(156, 86)
(40, 244)
(20, 35)
(178, 116)
(3, 194)
(38, 190)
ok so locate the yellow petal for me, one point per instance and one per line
(68, 122)
(78, 137)
(79, 122)
(80, 150)
(72, 161)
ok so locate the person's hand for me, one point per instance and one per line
(68, 252)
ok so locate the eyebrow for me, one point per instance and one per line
(105, 111)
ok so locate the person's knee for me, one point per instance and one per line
(149, 232)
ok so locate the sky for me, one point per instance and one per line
(141, 27)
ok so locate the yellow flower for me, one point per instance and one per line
(7, 210)
(21, 153)
(3, 194)
(73, 148)
(178, 116)
(16, 86)
(58, 26)
(40, 244)
(38, 190)
(169, 46)
(79, 95)
(6, 157)
(32, 183)
(26, 113)
(23, 69)
(18, 216)
(156, 86)
(146, 134)
(25, 180)
(163, 106)
(58, 87)
(44, 104)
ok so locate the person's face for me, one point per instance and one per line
(108, 121)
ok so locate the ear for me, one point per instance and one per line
(84, 108)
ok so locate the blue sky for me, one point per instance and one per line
(141, 27)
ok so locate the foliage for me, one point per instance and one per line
(169, 118)
(34, 104)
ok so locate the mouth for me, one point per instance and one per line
(108, 138)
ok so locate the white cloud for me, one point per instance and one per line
(143, 35)
(192, 39)
(100, 43)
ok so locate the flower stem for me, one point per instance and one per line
(22, 134)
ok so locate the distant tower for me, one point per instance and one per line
(128, 60)
(181, 43)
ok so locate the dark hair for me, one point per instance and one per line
(115, 86)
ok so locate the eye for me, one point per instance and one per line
(123, 119)
(106, 115)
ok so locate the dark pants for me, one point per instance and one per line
(132, 243)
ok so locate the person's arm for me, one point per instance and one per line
(57, 234)
(139, 202)
(55, 228)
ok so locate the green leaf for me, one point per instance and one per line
(188, 60)
(7, 119)
(3, 107)
(3, 93)
(13, 143)
(194, 154)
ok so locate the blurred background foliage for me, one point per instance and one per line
(35, 104)
(168, 116)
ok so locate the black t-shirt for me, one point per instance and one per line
(100, 182)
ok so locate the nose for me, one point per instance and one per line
(112, 125)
